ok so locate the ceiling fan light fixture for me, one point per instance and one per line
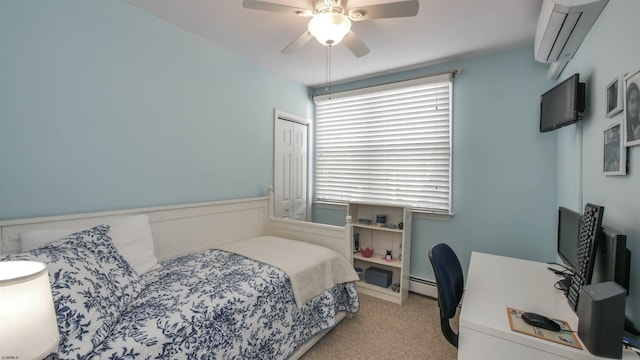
(329, 28)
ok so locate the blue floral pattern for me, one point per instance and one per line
(91, 284)
(207, 305)
(219, 305)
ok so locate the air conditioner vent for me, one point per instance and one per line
(562, 26)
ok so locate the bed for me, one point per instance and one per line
(118, 297)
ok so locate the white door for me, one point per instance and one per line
(291, 168)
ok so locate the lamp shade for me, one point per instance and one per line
(329, 28)
(29, 329)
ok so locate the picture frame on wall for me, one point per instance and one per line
(632, 109)
(614, 151)
(614, 97)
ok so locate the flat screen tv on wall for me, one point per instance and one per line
(562, 104)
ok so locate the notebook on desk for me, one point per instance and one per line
(565, 336)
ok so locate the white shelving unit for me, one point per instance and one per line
(381, 238)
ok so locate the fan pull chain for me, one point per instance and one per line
(328, 70)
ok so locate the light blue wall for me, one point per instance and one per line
(103, 106)
(611, 48)
(508, 178)
(504, 170)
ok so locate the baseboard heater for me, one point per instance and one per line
(423, 286)
(426, 287)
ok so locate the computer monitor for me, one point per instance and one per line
(568, 232)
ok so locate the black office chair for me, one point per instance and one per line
(450, 283)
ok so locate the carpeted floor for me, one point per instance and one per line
(383, 330)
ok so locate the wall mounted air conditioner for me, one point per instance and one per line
(562, 26)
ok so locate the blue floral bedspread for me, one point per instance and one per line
(219, 305)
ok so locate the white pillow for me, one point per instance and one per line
(33, 239)
(131, 236)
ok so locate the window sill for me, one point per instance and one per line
(416, 214)
(432, 216)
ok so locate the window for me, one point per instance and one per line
(388, 143)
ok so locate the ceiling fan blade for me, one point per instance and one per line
(384, 11)
(273, 7)
(299, 42)
(357, 47)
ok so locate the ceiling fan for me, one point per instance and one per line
(331, 20)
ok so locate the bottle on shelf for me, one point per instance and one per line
(386, 228)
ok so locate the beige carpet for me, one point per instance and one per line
(383, 330)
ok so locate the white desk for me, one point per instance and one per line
(495, 283)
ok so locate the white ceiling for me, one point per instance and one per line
(443, 30)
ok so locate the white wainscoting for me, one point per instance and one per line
(176, 229)
(183, 229)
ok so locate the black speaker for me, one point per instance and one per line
(601, 318)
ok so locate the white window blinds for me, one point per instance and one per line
(389, 143)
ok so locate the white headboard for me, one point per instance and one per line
(176, 229)
(183, 229)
